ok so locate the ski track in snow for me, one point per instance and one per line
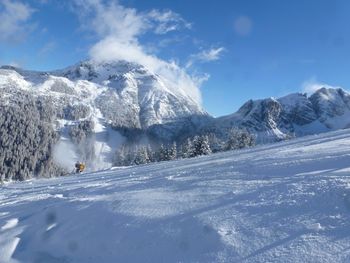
(283, 202)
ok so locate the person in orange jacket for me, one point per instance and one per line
(79, 167)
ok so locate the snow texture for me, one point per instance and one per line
(282, 202)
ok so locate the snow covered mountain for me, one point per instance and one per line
(293, 115)
(142, 98)
(127, 94)
(94, 107)
(287, 202)
(86, 111)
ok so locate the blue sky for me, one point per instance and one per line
(233, 49)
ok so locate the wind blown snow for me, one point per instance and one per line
(312, 85)
(65, 154)
(283, 202)
(119, 30)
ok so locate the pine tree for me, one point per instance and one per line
(201, 145)
(239, 139)
(216, 145)
(27, 138)
(187, 149)
(161, 153)
(129, 156)
(172, 152)
(204, 145)
(151, 154)
(120, 156)
(141, 156)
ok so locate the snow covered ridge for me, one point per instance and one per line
(293, 115)
(126, 93)
(86, 111)
(287, 202)
(93, 107)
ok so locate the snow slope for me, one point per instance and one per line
(283, 202)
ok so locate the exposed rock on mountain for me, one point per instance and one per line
(85, 112)
(95, 107)
(293, 115)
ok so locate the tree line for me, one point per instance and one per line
(131, 154)
(27, 138)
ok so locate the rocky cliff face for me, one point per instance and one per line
(132, 95)
(293, 115)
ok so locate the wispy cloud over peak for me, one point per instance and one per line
(14, 17)
(208, 55)
(111, 19)
(167, 21)
(312, 85)
(125, 23)
(119, 29)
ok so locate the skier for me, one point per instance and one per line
(79, 167)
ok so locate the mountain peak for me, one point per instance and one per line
(128, 89)
(326, 109)
(9, 67)
(98, 71)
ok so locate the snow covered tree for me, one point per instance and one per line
(120, 156)
(161, 153)
(216, 145)
(201, 145)
(239, 139)
(165, 153)
(187, 149)
(83, 137)
(27, 138)
(141, 156)
(150, 153)
(172, 152)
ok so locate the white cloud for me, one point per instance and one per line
(312, 85)
(112, 19)
(119, 29)
(14, 17)
(167, 21)
(127, 24)
(205, 56)
(243, 25)
(110, 49)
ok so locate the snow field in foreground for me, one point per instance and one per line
(283, 202)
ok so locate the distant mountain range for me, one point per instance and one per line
(95, 107)
(293, 115)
